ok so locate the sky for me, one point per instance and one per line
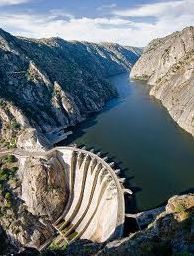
(127, 22)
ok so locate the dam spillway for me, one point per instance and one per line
(95, 209)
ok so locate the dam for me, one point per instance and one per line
(95, 209)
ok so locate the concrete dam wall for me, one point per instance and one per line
(95, 209)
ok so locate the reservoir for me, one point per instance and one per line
(156, 156)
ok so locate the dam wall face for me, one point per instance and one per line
(95, 209)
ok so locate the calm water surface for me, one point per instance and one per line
(157, 157)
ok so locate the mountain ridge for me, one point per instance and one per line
(54, 83)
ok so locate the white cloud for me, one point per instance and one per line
(12, 2)
(118, 29)
(170, 8)
(155, 9)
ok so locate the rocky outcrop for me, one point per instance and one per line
(31, 140)
(168, 65)
(11, 120)
(44, 187)
(22, 227)
(32, 196)
(52, 83)
(171, 233)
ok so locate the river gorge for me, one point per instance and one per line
(155, 154)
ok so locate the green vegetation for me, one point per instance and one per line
(8, 168)
(8, 196)
(179, 208)
(8, 144)
(54, 246)
(6, 175)
(12, 143)
(15, 125)
(10, 159)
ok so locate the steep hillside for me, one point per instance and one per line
(52, 83)
(168, 64)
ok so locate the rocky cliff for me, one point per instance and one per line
(168, 65)
(52, 83)
(33, 194)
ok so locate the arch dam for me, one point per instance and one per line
(95, 209)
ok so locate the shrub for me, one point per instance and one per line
(8, 196)
(10, 159)
(8, 204)
(15, 125)
(179, 208)
(14, 168)
(3, 175)
(12, 143)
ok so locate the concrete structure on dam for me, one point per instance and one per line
(95, 209)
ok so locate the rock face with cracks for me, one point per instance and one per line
(51, 83)
(30, 140)
(168, 65)
(44, 187)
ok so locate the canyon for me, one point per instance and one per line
(51, 84)
(47, 86)
(52, 197)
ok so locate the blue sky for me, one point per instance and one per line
(126, 22)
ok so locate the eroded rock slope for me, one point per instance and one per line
(168, 65)
(52, 83)
(33, 194)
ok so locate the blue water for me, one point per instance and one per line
(156, 155)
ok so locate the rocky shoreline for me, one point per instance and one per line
(167, 64)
